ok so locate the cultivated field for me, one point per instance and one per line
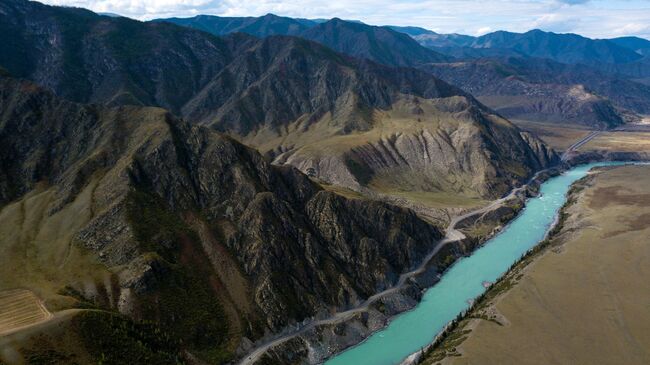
(20, 308)
(583, 300)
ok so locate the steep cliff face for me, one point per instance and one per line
(281, 80)
(199, 233)
(91, 58)
(282, 95)
(440, 145)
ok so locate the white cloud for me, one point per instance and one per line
(574, 2)
(633, 28)
(562, 23)
(482, 30)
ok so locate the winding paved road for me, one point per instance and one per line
(451, 235)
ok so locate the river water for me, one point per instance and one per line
(413, 330)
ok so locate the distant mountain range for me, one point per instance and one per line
(380, 44)
(548, 91)
(565, 48)
(412, 31)
(578, 63)
(627, 56)
(639, 45)
(258, 26)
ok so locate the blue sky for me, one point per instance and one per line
(592, 18)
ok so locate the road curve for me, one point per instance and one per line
(451, 235)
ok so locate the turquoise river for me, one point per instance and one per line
(415, 329)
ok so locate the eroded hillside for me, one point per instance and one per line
(394, 133)
(131, 210)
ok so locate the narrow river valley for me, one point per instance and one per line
(464, 281)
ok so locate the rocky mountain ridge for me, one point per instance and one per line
(383, 45)
(160, 203)
(263, 26)
(280, 94)
(122, 207)
(612, 62)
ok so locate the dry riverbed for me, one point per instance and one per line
(582, 299)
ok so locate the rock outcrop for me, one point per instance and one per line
(170, 202)
(457, 146)
(373, 125)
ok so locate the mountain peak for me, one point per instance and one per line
(340, 22)
(273, 16)
(380, 44)
(562, 47)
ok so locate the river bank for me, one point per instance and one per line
(316, 343)
(445, 343)
(450, 334)
(579, 297)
